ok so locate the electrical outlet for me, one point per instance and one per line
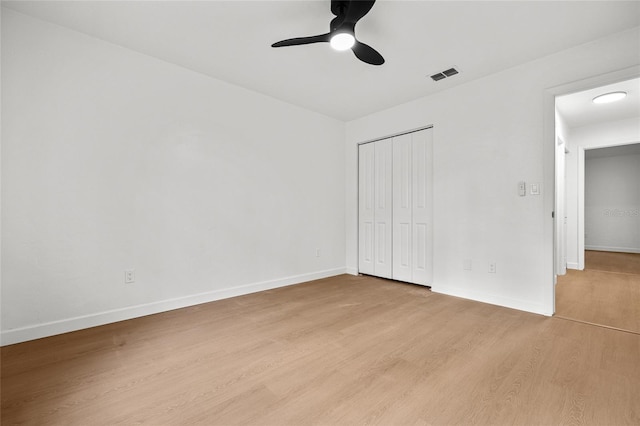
(492, 267)
(129, 276)
(466, 264)
(317, 252)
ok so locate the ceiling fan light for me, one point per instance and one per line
(609, 97)
(342, 41)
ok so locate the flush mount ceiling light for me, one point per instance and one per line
(609, 97)
(342, 41)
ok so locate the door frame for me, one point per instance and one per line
(549, 168)
(581, 192)
(560, 208)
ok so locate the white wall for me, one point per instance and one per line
(0, 177)
(612, 133)
(562, 129)
(612, 203)
(114, 160)
(620, 132)
(488, 135)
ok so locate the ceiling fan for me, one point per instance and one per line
(341, 33)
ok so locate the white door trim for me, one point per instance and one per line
(548, 154)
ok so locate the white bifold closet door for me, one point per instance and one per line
(395, 220)
(375, 208)
(412, 207)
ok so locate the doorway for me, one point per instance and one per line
(597, 204)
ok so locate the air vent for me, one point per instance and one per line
(444, 74)
(450, 72)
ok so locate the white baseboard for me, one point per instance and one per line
(506, 302)
(572, 265)
(352, 271)
(9, 337)
(615, 249)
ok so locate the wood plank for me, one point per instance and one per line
(605, 293)
(627, 263)
(343, 350)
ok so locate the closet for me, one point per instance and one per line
(395, 204)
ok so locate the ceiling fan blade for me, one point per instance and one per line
(302, 40)
(338, 7)
(356, 9)
(367, 54)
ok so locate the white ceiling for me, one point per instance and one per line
(230, 40)
(577, 109)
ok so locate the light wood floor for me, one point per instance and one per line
(606, 261)
(607, 292)
(344, 350)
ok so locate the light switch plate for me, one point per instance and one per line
(522, 189)
(535, 188)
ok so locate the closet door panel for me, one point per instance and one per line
(383, 211)
(422, 232)
(395, 235)
(402, 208)
(366, 208)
